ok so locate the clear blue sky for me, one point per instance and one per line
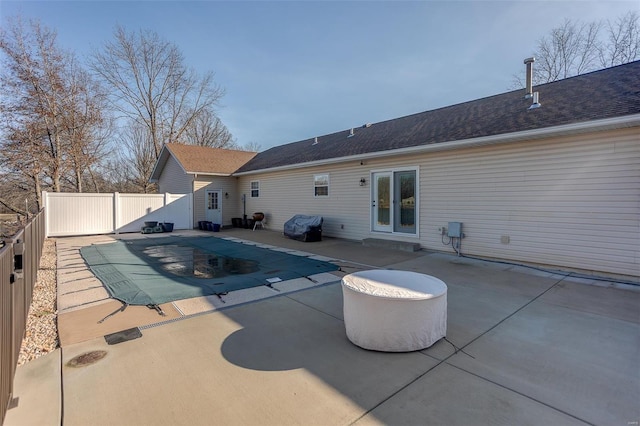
(295, 70)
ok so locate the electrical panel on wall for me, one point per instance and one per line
(454, 230)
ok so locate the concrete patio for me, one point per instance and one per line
(531, 347)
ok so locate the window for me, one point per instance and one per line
(212, 200)
(321, 185)
(255, 188)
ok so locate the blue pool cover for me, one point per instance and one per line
(151, 271)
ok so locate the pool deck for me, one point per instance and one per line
(531, 347)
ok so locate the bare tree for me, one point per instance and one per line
(137, 158)
(569, 50)
(85, 125)
(153, 86)
(50, 111)
(623, 40)
(251, 146)
(34, 87)
(206, 129)
(575, 48)
(20, 158)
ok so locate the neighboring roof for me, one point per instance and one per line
(605, 94)
(202, 160)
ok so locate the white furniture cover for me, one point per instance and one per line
(394, 311)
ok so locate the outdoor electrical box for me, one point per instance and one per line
(454, 230)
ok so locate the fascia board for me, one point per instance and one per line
(208, 174)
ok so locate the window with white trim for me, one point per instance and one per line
(321, 185)
(255, 188)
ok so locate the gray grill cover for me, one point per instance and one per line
(299, 224)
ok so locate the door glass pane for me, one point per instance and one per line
(384, 200)
(405, 205)
(212, 201)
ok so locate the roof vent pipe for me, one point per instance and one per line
(315, 141)
(535, 103)
(529, 63)
(350, 133)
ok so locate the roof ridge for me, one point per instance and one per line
(600, 94)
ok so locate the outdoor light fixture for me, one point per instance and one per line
(226, 195)
(363, 181)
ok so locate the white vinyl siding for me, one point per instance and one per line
(231, 204)
(321, 185)
(173, 178)
(284, 194)
(255, 189)
(571, 202)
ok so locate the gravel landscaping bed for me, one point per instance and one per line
(41, 335)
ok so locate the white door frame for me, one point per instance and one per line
(379, 221)
(380, 207)
(215, 214)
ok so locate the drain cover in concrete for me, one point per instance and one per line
(123, 336)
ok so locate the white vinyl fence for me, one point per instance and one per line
(90, 214)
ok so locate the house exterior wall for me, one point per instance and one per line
(284, 194)
(231, 206)
(173, 179)
(570, 201)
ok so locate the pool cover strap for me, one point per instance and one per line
(120, 309)
(152, 271)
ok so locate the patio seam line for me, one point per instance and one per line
(87, 303)
(223, 308)
(520, 393)
(80, 291)
(509, 316)
(313, 307)
(456, 352)
(399, 390)
(61, 386)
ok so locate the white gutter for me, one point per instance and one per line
(563, 130)
(208, 174)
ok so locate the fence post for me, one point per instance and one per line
(45, 202)
(191, 210)
(116, 212)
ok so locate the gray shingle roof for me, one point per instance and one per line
(608, 93)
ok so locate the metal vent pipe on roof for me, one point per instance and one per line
(529, 63)
(535, 103)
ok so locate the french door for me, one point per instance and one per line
(394, 201)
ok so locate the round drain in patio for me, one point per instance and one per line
(87, 358)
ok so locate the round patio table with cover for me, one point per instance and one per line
(394, 311)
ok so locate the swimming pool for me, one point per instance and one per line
(160, 270)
